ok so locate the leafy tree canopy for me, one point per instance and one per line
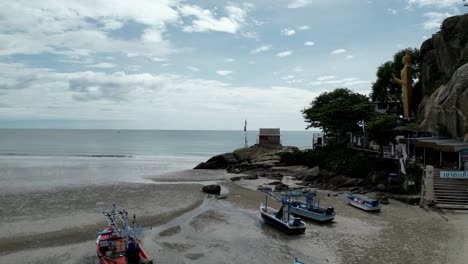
(339, 111)
(382, 130)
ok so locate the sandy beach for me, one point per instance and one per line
(59, 226)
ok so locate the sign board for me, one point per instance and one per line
(454, 174)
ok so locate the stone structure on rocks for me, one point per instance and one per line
(444, 78)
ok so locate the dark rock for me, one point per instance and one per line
(350, 182)
(235, 179)
(212, 189)
(275, 183)
(308, 175)
(381, 188)
(339, 180)
(352, 189)
(275, 176)
(251, 177)
(281, 187)
(409, 199)
(218, 162)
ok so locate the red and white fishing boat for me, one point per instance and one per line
(120, 245)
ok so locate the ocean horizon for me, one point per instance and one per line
(37, 159)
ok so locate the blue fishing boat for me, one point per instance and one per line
(366, 205)
(282, 218)
(310, 208)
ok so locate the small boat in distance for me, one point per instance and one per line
(311, 208)
(366, 205)
(120, 245)
(282, 218)
(296, 261)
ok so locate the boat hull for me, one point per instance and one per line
(365, 208)
(293, 230)
(120, 259)
(312, 215)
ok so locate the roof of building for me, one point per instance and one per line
(440, 144)
(269, 131)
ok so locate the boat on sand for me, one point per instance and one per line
(366, 205)
(120, 245)
(282, 218)
(310, 208)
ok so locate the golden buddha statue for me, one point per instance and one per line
(406, 83)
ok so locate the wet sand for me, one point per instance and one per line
(59, 226)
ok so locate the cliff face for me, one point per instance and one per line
(444, 78)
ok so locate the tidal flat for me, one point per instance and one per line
(59, 226)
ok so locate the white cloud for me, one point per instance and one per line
(338, 51)
(325, 78)
(350, 57)
(392, 11)
(158, 59)
(195, 69)
(332, 81)
(284, 53)
(309, 43)
(298, 3)
(32, 94)
(77, 29)
(288, 32)
(204, 20)
(433, 3)
(252, 62)
(223, 72)
(304, 27)
(262, 48)
(102, 65)
(230, 60)
(434, 19)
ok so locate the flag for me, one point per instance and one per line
(245, 125)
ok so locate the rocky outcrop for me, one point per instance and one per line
(218, 162)
(444, 53)
(446, 110)
(444, 74)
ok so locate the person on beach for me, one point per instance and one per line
(133, 252)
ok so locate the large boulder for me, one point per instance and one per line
(212, 189)
(444, 74)
(253, 152)
(218, 162)
(308, 174)
(446, 110)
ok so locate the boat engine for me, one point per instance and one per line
(297, 222)
(330, 210)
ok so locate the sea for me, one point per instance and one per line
(41, 159)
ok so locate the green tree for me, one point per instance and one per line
(338, 112)
(385, 90)
(382, 130)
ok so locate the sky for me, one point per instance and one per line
(208, 65)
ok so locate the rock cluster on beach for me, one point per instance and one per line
(259, 162)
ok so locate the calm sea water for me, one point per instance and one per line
(36, 159)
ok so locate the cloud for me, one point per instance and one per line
(102, 65)
(136, 98)
(338, 51)
(298, 3)
(325, 78)
(433, 3)
(434, 19)
(204, 19)
(288, 32)
(284, 53)
(193, 68)
(392, 11)
(262, 48)
(350, 57)
(309, 43)
(223, 72)
(303, 27)
(331, 80)
(81, 29)
(230, 60)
